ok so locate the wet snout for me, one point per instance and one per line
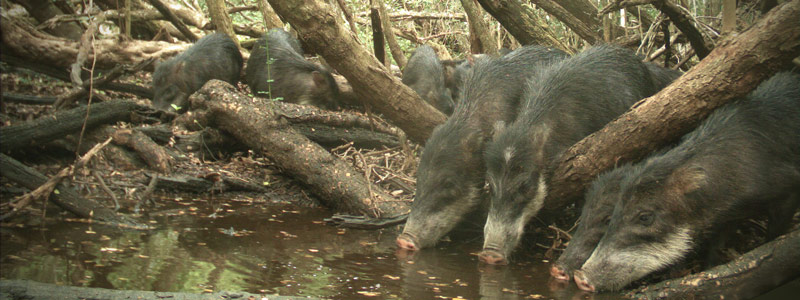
(407, 241)
(492, 257)
(559, 272)
(582, 282)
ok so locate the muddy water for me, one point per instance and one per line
(269, 249)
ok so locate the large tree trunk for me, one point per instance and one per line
(263, 129)
(479, 30)
(221, 20)
(731, 71)
(374, 84)
(581, 29)
(521, 21)
(25, 41)
(271, 20)
(752, 274)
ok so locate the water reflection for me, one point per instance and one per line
(270, 250)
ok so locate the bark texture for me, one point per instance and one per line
(479, 29)
(752, 274)
(66, 198)
(58, 125)
(264, 130)
(521, 21)
(323, 31)
(23, 40)
(731, 71)
(579, 27)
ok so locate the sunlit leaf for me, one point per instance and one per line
(391, 277)
(369, 294)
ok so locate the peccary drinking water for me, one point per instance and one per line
(215, 56)
(451, 170)
(742, 162)
(562, 104)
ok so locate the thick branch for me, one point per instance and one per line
(164, 10)
(478, 29)
(521, 21)
(60, 74)
(263, 130)
(682, 21)
(580, 28)
(417, 15)
(373, 83)
(752, 274)
(47, 128)
(24, 41)
(731, 71)
(66, 197)
(388, 32)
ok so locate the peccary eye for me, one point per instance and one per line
(646, 218)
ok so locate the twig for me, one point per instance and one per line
(43, 191)
(106, 189)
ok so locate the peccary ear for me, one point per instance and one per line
(687, 179)
(319, 80)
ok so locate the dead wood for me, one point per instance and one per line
(581, 29)
(45, 129)
(153, 155)
(388, 33)
(752, 274)
(330, 137)
(271, 20)
(337, 184)
(57, 73)
(43, 10)
(22, 40)
(360, 222)
(30, 100)
(678, 15)
(418, 15)
(378, 44)
(348, 15)
(66, 197)
(164, 10)
(521, 22)
(480, 33)
(201, 184)
(732, 70)
(375, 86)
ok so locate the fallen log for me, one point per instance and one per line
(371, 81)
(336, 183)
(57, 73)
(754, 273)
(204, 184)
(66, 197)
(62, 123)
(733, 69)
(21, 39)
(154, 155)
